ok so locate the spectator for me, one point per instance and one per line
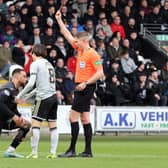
(22, 33)
(164, 73)
(133, 7)
(50, 3)
(126, 15)
(80, 5)
(51, 24)
(30, 6)
(65, 14)
(52, 57)
(38, 11)
(74, 23)
(34, 23)
(100, 35)
(49, 37)
(89, 27)
(89, 15)
(8, 35)
(114, 5)
(5, 59)
(115, 68)
(128, 65)
(132, 53)
(114, 49)
(17, 4)
(69, 86)
(75, 15)
(155, 16)
(101, 16)
(71, 64)
(61, 75)
(36, 38)
(28, 59)
(114, 95)
(51, 11)
(18, 54)
(3, 7)
(2, 22)
(140, 19)
(13, 23)
(12, 12)
(105, 26)
(101, 6)
(139, 89)
(60, 44)
(140, 69)
(155, 96)
(61, 71)
(145, 7)
(23, 14)
(101, 50)
(135, 43)
(117, 34)
(117, 26)
(164, 11)
(130, 27)
(92, 43)
(112, 15)
(74, 31)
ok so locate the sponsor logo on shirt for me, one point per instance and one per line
(82, 64)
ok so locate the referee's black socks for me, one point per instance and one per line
(88, 137)
(74, 135)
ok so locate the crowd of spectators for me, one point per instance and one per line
(114, 27)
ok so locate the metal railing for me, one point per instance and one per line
(157, 34)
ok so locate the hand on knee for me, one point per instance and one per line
(23, 123)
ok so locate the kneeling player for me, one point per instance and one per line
(10, 118)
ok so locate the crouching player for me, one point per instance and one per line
(10, 118)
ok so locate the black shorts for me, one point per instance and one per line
(45, 109)
(82, 99)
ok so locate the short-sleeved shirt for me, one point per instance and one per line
(88, 62)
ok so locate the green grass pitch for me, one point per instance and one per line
(109, 152)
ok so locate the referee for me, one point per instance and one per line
(88, 71)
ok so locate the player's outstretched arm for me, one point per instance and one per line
(64, 31)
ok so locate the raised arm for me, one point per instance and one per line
(64, 31)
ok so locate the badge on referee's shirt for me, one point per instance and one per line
(82, 64)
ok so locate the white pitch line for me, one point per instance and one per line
(130, 155)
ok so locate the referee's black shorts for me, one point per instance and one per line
(82, 99)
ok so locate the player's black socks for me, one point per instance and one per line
(88, 137)
(74, 135)
(19, 137)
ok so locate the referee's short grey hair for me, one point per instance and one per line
(83, 34)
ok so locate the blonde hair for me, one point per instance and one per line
(83, 34)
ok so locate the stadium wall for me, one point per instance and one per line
(113, 119)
